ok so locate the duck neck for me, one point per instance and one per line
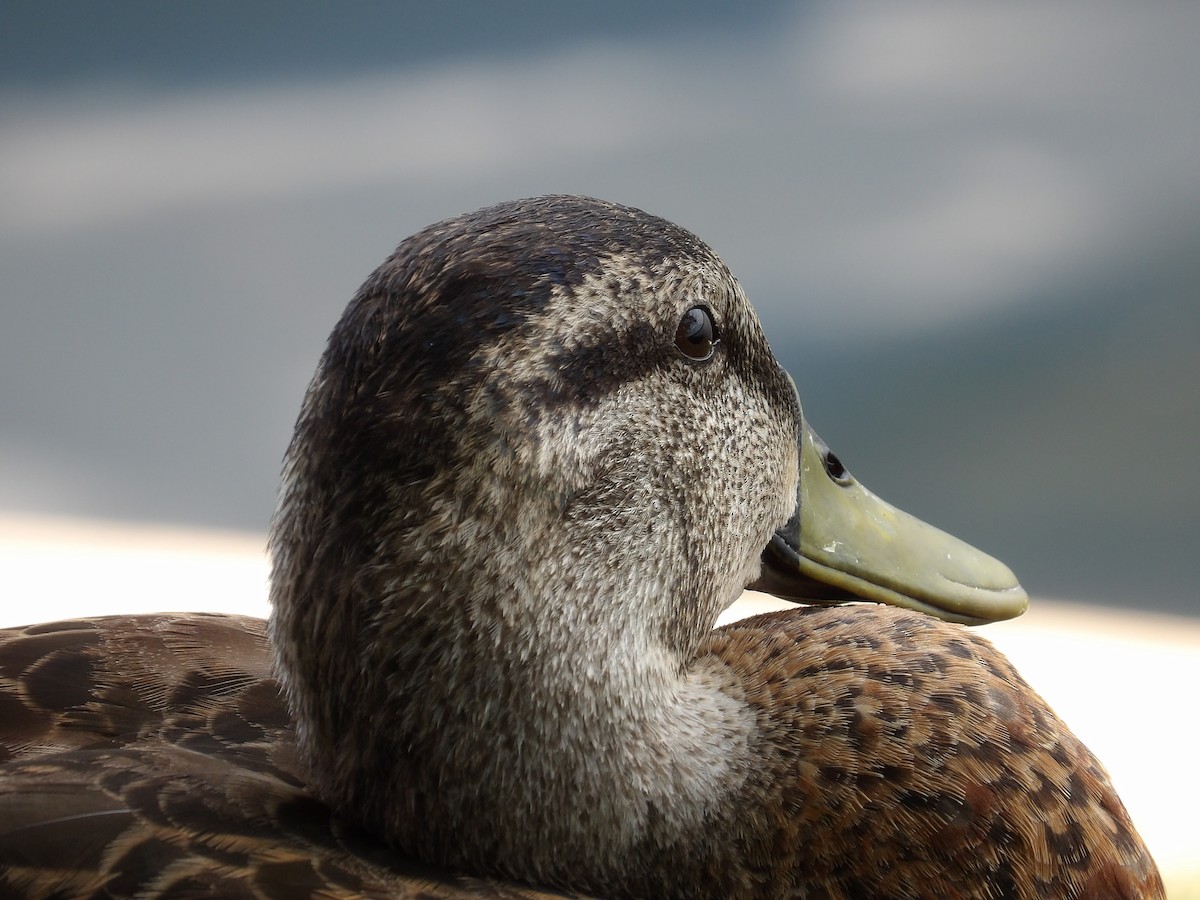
(553, 741)
(513, 691)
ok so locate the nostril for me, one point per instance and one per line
(834, 468)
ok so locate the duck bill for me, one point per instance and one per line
(843, 543)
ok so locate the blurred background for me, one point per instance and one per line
(972, 233)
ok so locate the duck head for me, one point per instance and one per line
(546, 446)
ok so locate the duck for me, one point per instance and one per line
(547, 444)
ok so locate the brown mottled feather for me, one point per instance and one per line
(908, 748)
(153, 756)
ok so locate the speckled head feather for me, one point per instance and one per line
(507, 472)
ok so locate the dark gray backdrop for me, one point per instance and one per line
(972, 233)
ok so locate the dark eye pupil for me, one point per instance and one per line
(696, 336)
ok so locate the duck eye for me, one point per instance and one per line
(696, 337)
